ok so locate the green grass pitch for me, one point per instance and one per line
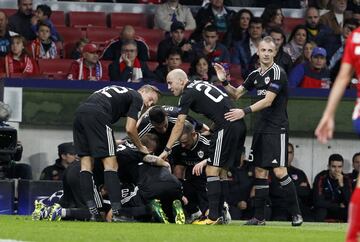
(24, 229)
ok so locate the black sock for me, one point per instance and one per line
(261, 196)
(291, 196)
(87, 190)
(77, 213)
(214, 193)
(113, 186)
(224, 193)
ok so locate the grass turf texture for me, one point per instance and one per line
(23, 228)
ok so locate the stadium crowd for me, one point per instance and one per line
(309, 53)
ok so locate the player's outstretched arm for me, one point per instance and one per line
(235, 93)
(235, 114)
(325, 129)
(134, 136)
(175, 135)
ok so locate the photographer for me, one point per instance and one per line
(10, 149)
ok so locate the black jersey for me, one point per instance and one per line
(196, 154)
(274, 118)
(207, 99)
(116, 102)
(128, 158)
(172, 112)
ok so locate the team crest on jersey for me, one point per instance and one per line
(356, 38)
(200, 154)
(267, 80)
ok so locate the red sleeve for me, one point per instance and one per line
(36, 70)
(348, 56)
(73, 71)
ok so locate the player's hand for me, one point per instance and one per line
(220, 72)
(198, 168)
(164, 155)
(325, 129)
(234, 114)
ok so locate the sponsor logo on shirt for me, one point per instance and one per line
(261, 92)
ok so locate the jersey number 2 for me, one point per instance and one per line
(208, 89)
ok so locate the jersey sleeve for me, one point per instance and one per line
(249, 82)
(349, 52)
(185, 102)
(278, 80)
(135, 106)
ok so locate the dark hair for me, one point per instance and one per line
(45, 9)
(354, 156)
(290, 144)
(278, 30)
(269, 13)
(237, 16)
(296, 28)
(173, 51)
(257, 20)
(23, 40)
(129, 42)
(335, 157)
(43, 23)
(210, 28)
(157, 114)
(192, 69)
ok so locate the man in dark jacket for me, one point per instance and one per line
(20, 22)
(67, 155)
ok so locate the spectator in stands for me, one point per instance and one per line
(43, 47)
(88, 67)
(17, 61)
(335, 18)
(278, 198)
(172, 11)
(272, 16)
(77, 52)
(241, 192)
(201, 69)
(356, 167)
(243, 51)
(214, 13)
(306, 53)
(43, 13)
(176, 40)
(297, 39)
(210, 46)
(281, 58)
(20, 22)
(67, 155)
(113, 50)
(316, 30)
(313, 74)
(173, 61)
(5, 35)
(129, 67)
(332, 191)
(240, 27)
(334, 44)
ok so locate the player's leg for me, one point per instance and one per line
(353, 231)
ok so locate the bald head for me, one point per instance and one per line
(128, 33)
(176, 80)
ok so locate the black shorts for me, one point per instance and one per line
(269, 150)
(93, 134)
(226, 145)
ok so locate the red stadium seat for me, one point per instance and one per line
(57, 68)
(69, 34)
(152, 65)
(185, 67)
(9, 11)
(87, 19)
(290, 23)
(58, 18)
(118, 20)
(101, 35)
(235, 75)
(152, 38)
